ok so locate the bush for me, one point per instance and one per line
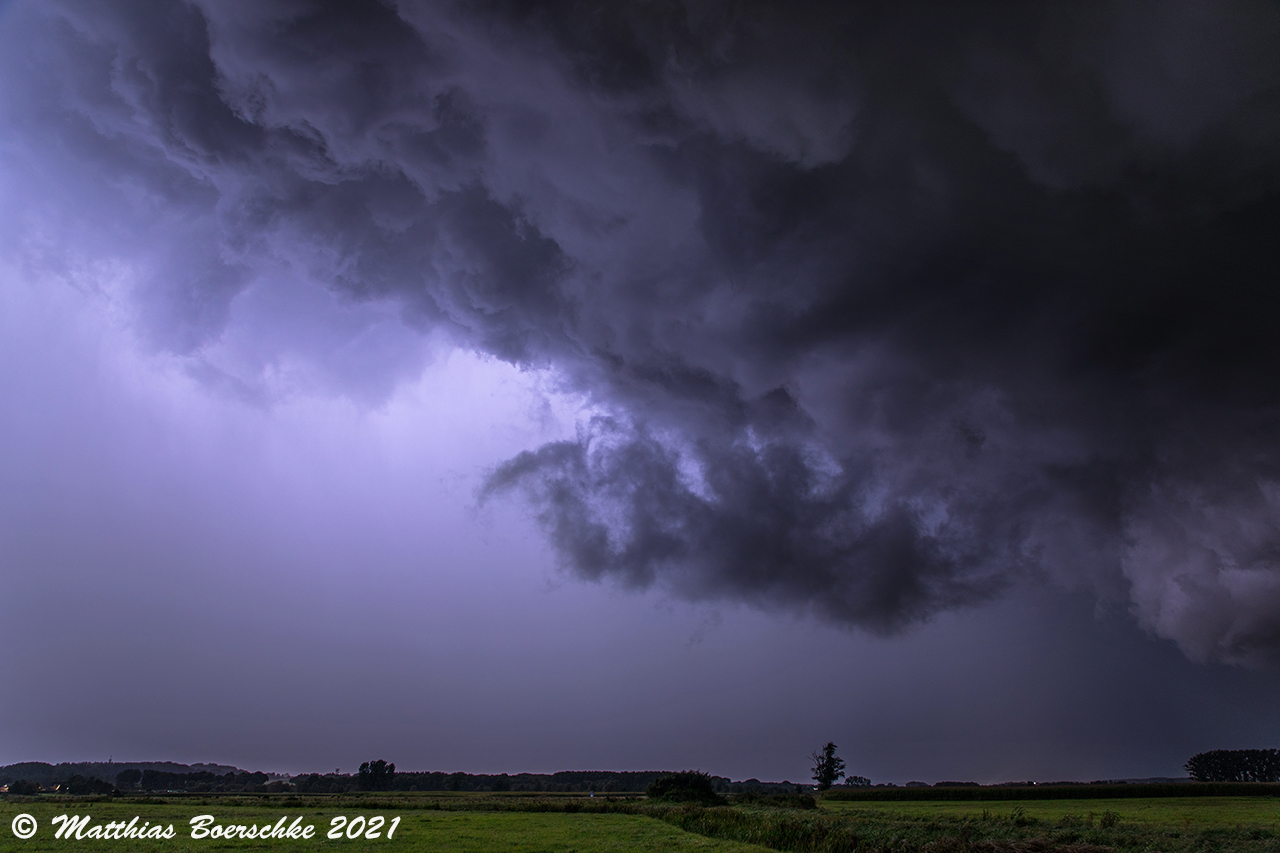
(690, 786)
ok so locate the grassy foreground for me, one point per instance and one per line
(456, 825)
(442, 823)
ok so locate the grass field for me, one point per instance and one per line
(419, 831)
(478, 823)
(1177, 812)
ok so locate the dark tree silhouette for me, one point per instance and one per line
(1235, 765)
(689, 786)
(127, 780)
(80, 786)
(376, 776)
(827, 768)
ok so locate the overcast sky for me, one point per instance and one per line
(502, 387)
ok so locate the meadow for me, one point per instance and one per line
(1183, 812)
(474, 823)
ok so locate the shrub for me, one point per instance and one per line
(690, 786)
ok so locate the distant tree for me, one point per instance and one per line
(376, 776)
(827, 768)
(127, 780)
(24, 787)
(690, 786)
(1235, 765)
(857, 781)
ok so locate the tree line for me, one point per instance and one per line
(50, 776)
(152, 781)
(385, 778)
(378, 775)
(200, 782)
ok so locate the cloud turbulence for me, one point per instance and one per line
(880, 308)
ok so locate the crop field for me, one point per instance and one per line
(477, 823)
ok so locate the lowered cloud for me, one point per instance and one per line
(880, 309)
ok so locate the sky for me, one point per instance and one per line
(521, 387)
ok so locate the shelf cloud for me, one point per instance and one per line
(877, 309)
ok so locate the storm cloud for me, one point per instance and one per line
(876, 310)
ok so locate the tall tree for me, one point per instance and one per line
(827, 767)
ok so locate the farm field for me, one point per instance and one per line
(478, 823)
(1196, 812)
(419, 831)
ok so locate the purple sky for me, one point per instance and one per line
(516, 387)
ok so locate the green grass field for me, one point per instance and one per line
(1177, 812)
(419, 831)
(478, 823)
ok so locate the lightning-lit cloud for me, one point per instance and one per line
(880, 309)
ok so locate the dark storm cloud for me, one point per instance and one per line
(884, 307)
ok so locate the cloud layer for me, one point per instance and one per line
(881, 308)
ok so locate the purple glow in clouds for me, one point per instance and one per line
(891, 374)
